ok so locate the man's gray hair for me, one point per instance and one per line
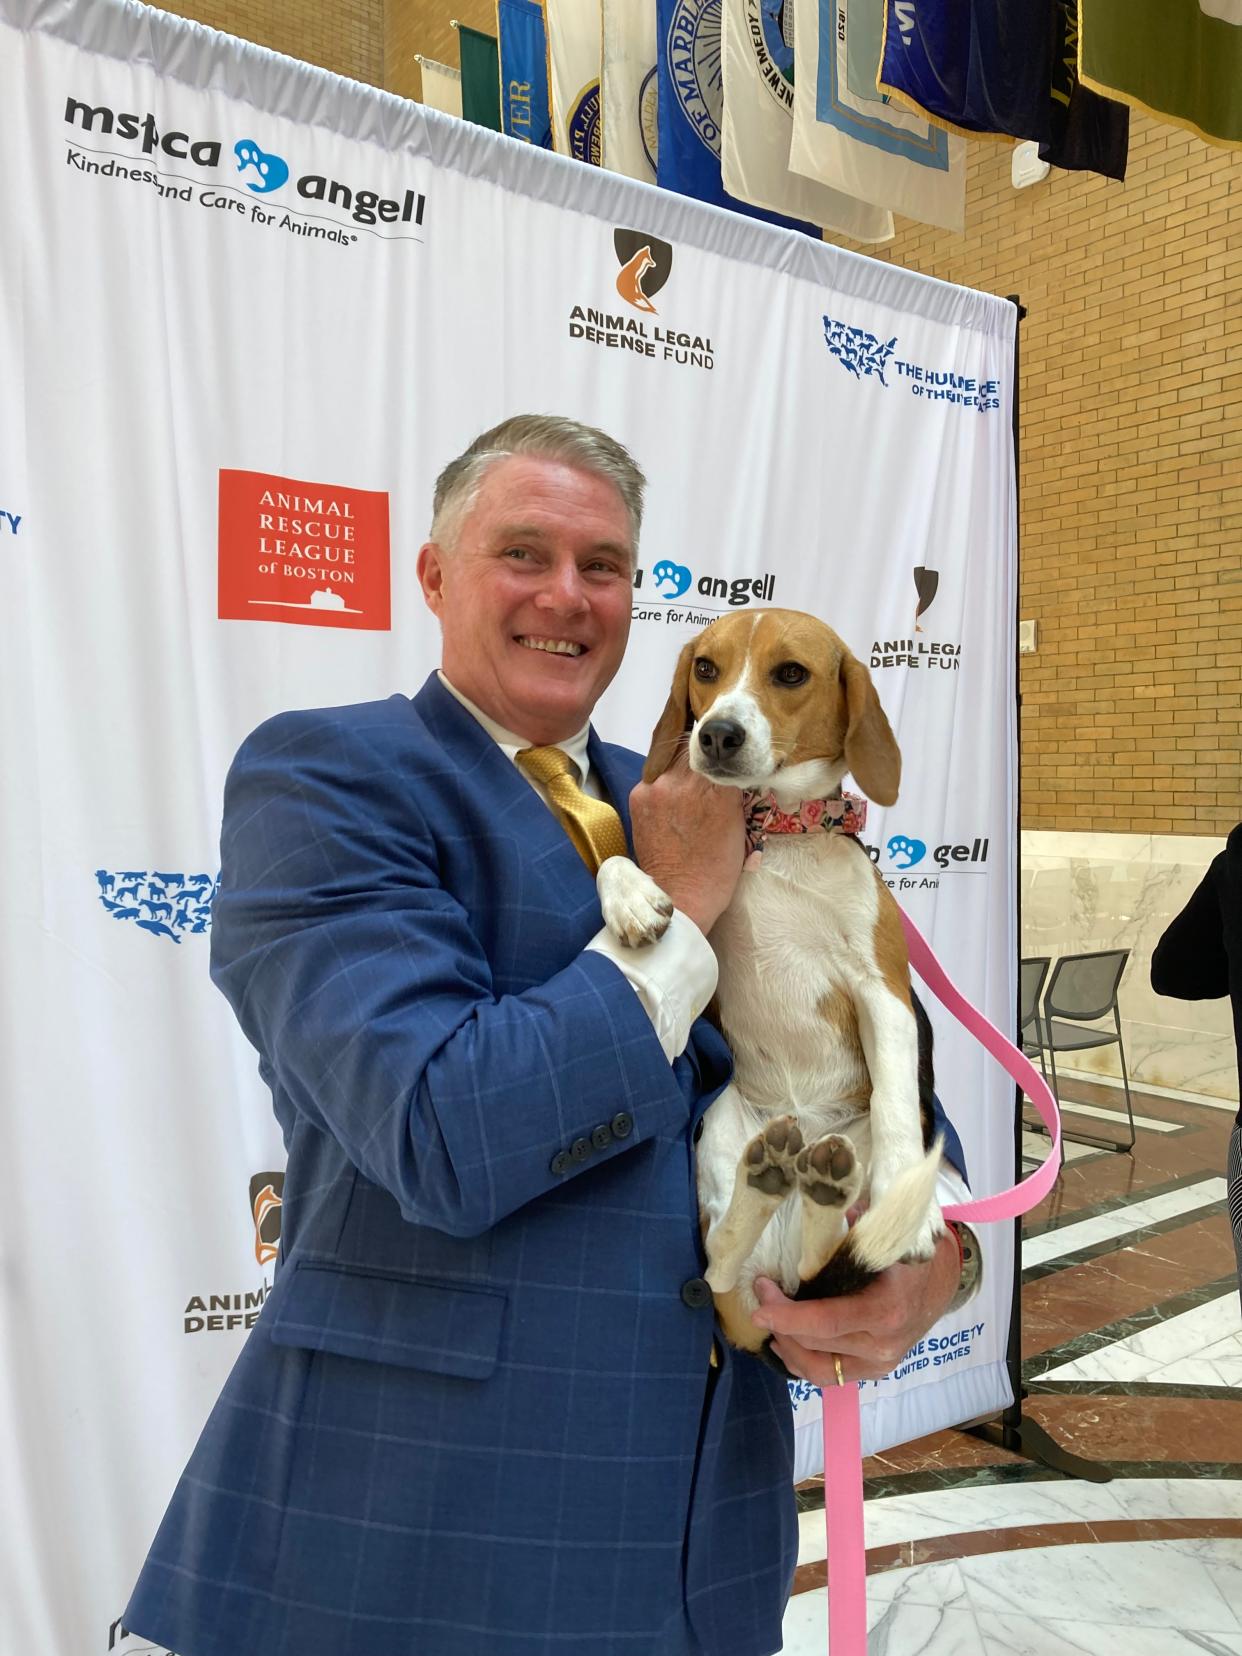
(543, 437)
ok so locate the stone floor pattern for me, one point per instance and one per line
(1132, 1347)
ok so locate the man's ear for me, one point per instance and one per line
(675, 720)
(430, 567)
(871, 749)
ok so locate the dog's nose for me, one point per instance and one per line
(721, 738)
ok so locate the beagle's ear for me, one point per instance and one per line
(675, 720)
(871, 749)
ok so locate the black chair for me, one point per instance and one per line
(1082, 989)
(1032, 974)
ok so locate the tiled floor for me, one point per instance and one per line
(1132, 1346)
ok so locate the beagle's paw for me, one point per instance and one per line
(829, 1172)
(635, 910)
(770, 1159)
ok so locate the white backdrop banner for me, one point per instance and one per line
(247, 311)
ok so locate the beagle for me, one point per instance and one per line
(831, 1098)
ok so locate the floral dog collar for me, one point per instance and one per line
(846, 814)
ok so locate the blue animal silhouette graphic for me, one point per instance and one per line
(163, 904)
(273, 171)
(674, 577)
(858, 351)
(913, 850)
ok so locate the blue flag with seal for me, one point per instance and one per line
(690, 107)
(525, 110)
(978, 67)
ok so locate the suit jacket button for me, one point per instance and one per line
(580, 1149)
(561, 1162)
(601, 1138)
(622, 1125)
(696, 1294)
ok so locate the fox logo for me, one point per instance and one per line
(630, 281)
(645, 262)
(266, 1200)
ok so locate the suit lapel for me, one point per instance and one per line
(514, 808)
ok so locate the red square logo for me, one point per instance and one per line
(315, 554)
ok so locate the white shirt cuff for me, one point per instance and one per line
(674, 978)
(951, 1189)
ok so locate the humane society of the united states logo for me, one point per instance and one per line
(163, 903)
(866, 356)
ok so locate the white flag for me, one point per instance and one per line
(848, 135)
(574, 51)
(629, 88)
(441, 86)
(758, 125)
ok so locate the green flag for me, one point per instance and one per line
(480, 77)
(1180, 62)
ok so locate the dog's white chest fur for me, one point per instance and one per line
(795, 942)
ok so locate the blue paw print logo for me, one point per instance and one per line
(911, 849)
(671, 579)
(272, 170)
(166, 904)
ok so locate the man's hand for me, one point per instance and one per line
(870, 1332)
(689, 837)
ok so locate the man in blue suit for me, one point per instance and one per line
(483, 1412)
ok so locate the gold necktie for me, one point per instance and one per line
(592, 825)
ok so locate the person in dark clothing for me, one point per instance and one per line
(1200, 958)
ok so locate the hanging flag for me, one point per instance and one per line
(441, 86)
(525, 112)
(480, 77)
(849, 136)
(758, 126)
(1088, 133)
(979, 67)
(1181, 63)
(689, 106)
(629, 88)
(574, 51)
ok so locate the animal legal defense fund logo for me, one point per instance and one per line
(646, 264)
(228, 1313)
(266, 1200)
(314, 554)
(919, 651)
(865, 355)
(163, 903)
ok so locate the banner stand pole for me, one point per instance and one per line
(1013, 1430)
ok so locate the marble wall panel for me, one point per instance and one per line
(1086, 892)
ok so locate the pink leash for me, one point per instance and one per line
(843, 1485)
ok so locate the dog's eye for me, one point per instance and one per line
(704, 670)
(791, 672)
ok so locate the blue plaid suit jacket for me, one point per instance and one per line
(471, 1419)
(475, 1417)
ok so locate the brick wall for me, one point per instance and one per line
(1131, 432)
(1131, 474)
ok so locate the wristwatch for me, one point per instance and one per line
(971, 1274)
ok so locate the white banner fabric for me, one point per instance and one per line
(244, 324)
(757, 126)
(441, 86)
(629, 89)
(574, 53)
(858, 141)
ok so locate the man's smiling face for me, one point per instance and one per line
(534, 598)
